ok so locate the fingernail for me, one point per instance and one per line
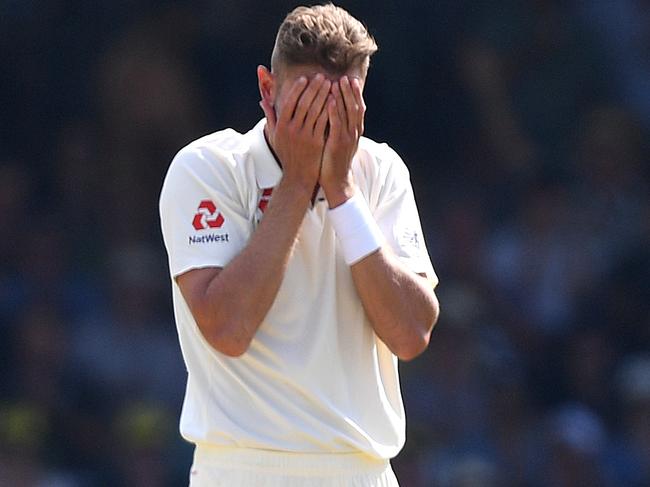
(302, 80)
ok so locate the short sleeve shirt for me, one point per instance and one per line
(315, 378)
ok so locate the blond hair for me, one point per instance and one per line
(324, 35)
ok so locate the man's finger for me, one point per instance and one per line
(321, 122)
(318, 105)
(334, 118)
(292, 100)
(351, 106)
(307, 98)
(340, 103)
(358, 95)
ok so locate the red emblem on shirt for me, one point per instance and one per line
(264, 200)
(207, 216)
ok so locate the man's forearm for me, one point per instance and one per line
(401, 305)
(240, 296)
(237, 298)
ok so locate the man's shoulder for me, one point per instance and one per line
(381, 155)
(216, 160)
(224, 147)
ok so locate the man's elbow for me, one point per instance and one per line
(222, 336)
(231, 346)
(417, 340)
(435, 312)
(413, 345)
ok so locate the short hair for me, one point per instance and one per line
(324, 35)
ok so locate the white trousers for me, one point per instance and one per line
(240, 467)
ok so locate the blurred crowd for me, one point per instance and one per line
(525, 127)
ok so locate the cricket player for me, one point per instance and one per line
(300, 275)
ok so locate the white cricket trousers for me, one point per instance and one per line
(243, 467)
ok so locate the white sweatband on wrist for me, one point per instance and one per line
(357, 231)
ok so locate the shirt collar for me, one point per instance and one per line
(267, 169)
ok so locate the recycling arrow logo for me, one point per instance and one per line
(207, 216)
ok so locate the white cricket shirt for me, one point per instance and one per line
(316, 378)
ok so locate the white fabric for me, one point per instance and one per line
(358, 233)
(316, 378)
(245, 467)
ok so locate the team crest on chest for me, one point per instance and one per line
(263, 203)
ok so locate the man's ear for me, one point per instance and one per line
(267, 84)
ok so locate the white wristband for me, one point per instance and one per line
(357, 230)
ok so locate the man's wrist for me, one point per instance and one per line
(338, 193)
(356, 229)
(294, 189)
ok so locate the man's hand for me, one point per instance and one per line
(346, 110)
(298, 134)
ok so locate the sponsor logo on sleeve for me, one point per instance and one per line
(207, 217)
(410, 238)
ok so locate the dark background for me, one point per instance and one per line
(525, 126)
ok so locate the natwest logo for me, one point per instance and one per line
(207, 216)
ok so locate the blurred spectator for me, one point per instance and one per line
(612, 191)
(23, 432)
(130, 350)
(531, 70)
(530, 261)
(574, 451)
(630, 456)
(589, 362)
(141, 439)
(39, 356)
(80, 182)
(150, 106)
(24, 445)
(623, 28)
(15, 202)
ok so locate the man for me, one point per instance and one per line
(299, 275)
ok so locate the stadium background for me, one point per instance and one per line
(525, 125)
